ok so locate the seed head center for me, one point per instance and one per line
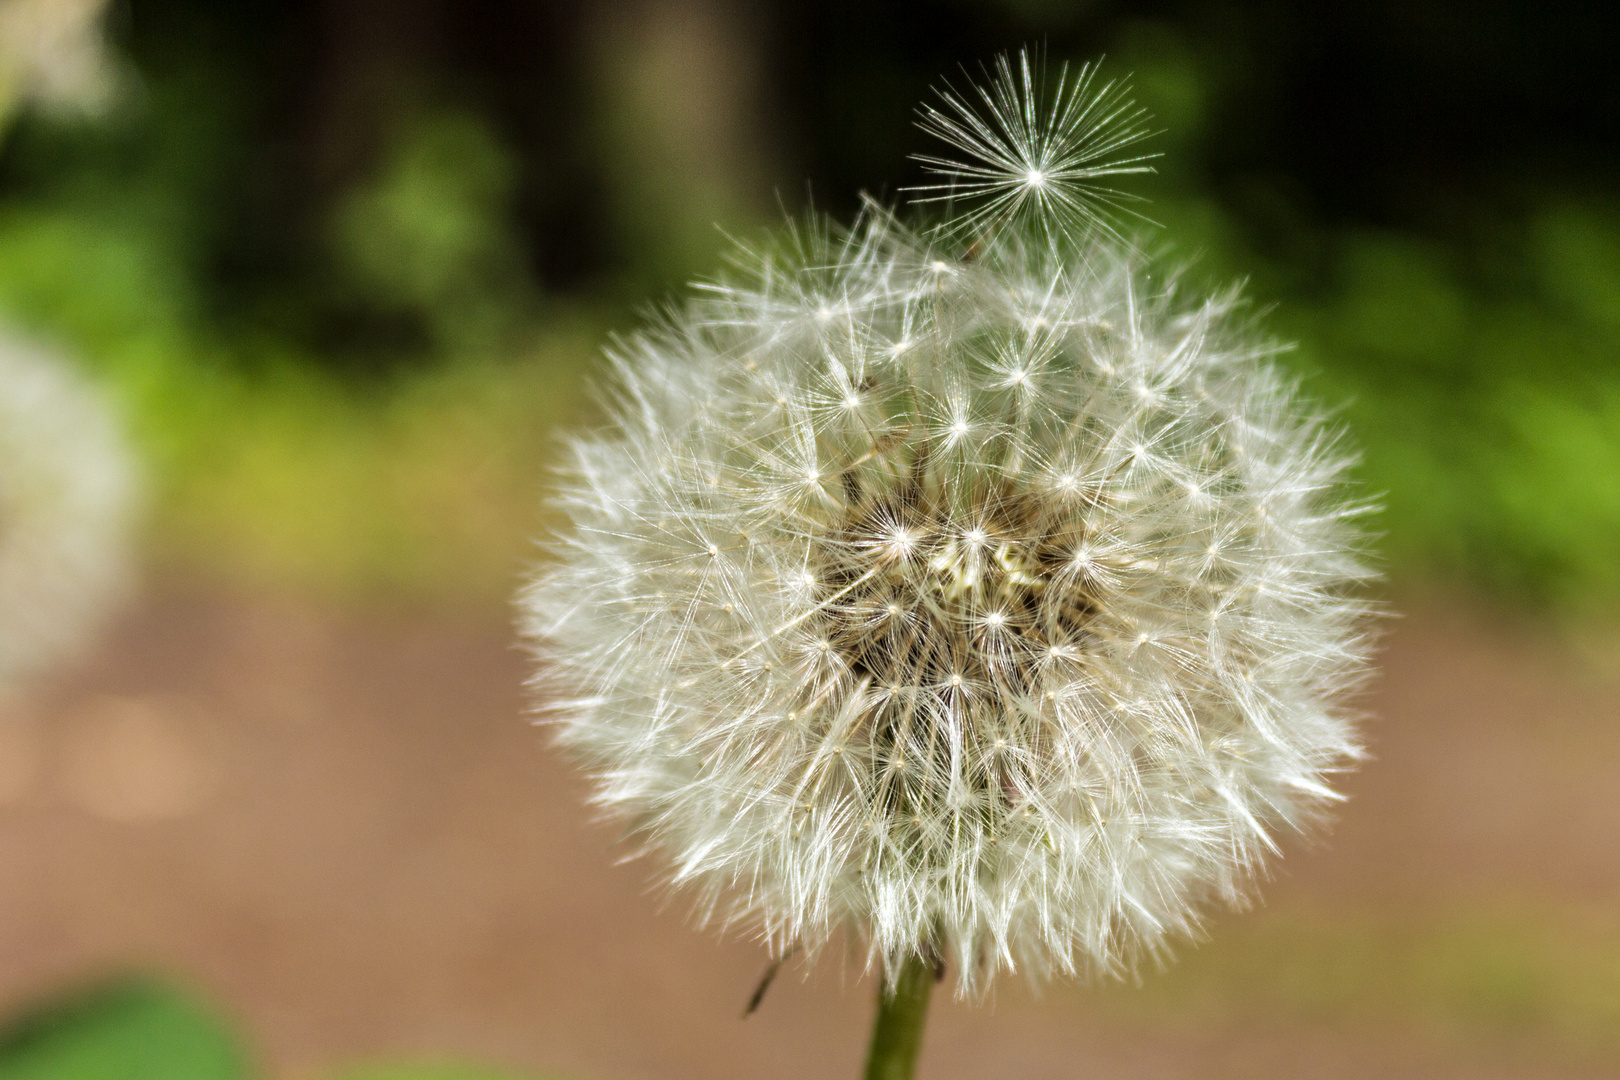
(914, 592)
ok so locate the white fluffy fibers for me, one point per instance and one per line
(66, 489)
(994, 604)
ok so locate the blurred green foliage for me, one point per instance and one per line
(274, 468)
(1489, 415)
(429, 235)
(1478, 368)
(129, 1030)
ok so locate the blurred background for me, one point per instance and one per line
(343, 267)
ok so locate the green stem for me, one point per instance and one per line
(897, 1031)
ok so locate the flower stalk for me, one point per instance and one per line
(898, 1029)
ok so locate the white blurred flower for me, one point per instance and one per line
(66, 495)
(52, 51)
(993, 607)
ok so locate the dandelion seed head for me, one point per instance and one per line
(957, 706)
(67, 492)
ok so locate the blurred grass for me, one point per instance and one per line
(1534, 972)
(1532, 979)
(431, 488)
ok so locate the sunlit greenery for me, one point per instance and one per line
(123, 1031)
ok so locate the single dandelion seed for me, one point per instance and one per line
(1033, 155)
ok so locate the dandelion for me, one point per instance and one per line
(66, 491)
(54, 53)
(993, 606)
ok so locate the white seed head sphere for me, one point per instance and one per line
(67, 489)
(997, 607)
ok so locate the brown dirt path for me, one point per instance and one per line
(339, 826)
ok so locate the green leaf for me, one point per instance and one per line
(128, 1030)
